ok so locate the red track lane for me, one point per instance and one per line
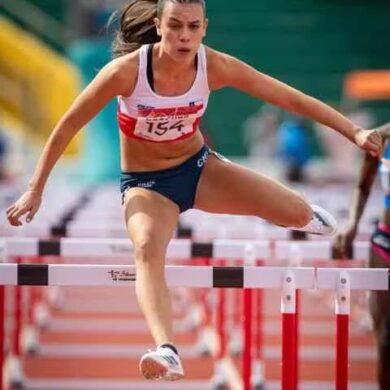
(313, 311)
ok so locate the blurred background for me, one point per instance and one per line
(49, 50)
(335, 50)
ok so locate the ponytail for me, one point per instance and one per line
(136, 26)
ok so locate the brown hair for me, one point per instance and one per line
(136, 24)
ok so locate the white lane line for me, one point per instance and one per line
(123, 326)
(42, 384)
(102, 351)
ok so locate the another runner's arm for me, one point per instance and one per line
(116, 78)
(227, 71)
(362, 190)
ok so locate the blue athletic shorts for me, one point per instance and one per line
(178, 184)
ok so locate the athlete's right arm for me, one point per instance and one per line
(117, 78)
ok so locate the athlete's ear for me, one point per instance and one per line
(205, 25)
(158, 26)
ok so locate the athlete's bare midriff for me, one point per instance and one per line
(139, 156)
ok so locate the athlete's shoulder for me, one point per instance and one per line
(219, 66)
(123, 71)
(217, 57)
(220, 61)
(124, 66)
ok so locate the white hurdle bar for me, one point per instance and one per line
(177, 249)
(177, 276)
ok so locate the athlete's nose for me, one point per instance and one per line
(185, 35)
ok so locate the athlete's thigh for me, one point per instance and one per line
(379, 300)
(151, 218)
(226, 187)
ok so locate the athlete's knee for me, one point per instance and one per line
(146, 250)
(299, 212)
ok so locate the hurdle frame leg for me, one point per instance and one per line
(247, 336)
(2, 335)
(343, 309)
(288, 309)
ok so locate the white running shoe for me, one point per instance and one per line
(322, 222)
(163, 363)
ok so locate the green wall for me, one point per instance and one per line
(310, 44)
(55, 8)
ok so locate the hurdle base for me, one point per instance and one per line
(13, 373)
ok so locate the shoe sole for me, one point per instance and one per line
(173, 377)
(152, 369)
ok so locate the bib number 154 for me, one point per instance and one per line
(161, 128)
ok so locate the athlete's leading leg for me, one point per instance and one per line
(226, 187)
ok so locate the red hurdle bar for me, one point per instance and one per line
(2, 334)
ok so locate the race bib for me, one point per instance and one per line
(166, 124)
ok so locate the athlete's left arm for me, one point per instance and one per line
(227, 71)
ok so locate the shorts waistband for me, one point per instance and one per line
(195, 156)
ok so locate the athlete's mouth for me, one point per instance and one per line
(184, 50)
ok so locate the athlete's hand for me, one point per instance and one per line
(343, 243)
(371, 141)
(384, 130)
(28, 204)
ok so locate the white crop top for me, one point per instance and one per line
(148, 116)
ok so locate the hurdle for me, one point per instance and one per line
(177, 248)
(345, 281)
(247, 277)
(115, 228)
(177, 276)
(81, 215)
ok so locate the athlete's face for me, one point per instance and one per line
(182, 28)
